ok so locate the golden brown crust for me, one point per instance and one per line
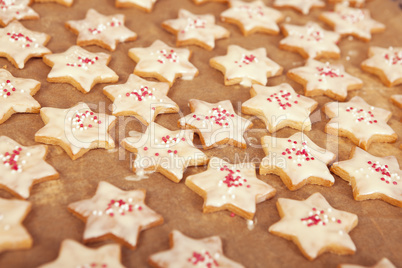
(61, 2)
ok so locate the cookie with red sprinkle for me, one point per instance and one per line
(383, 263)
(23, 166)
(73, 254)
(315, 226)
(16, 95)
(67, 3)
(115, 214)
(371, 177)
(386, 63)
(359, 122)
(188, 252)
(233, 187)
(101, 30)
(16, 10)
(297, 160)
(144, 5)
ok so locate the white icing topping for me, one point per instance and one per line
(196, 27)
(108, 29)
(397, 98)
(77, 127)
(16, 10)
(114, 211)
(216, 123)
(325, 76)
(352, 21)
(303, 6)
(311, 38)
(315, 225)
(22, 44)
(383, 263)
(253, 15)
(169, 152)
(250, 66)
(275, 105)
(168, 62)
(146, 4)
(298, 157)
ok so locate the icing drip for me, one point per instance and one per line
(362, 116)
(101, 27)
(10, 159)
(7, 89)
(217, 116)
(394, 58)
(233, 178)
(85, 120)
(319, 217)
(169, 56)
(25, 40)
(83, 62)
(246, 59)
(194, 24)
(203, 259)
(297, 153)
(382, 173)
(283, 99)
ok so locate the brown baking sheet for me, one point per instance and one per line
(378, 234)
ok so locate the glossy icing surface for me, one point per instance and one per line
(16, 10)
(383, 263)
(147, 4)
(303, 6)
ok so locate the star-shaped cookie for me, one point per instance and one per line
(216, 123)
(140, 98)
(352, 21)
(315, 226)
(23, 166)
(280, 106)
(383, 263)
(225, 186)
(188, 252)
(67, 3)
(77, 129)
(386, 63)
(359, 121)
(18, 44)
(194, 29)
(115, 214)
(163, 62)
(327, 79)
(310, 41)
(395, 99)
(353, 3)
(80, 68)
(144, 5)
(303, 6)
(13, 234)
(371, 177)
(297, 160)
(16, 95)
(16, 10)
(245, 67)
(101, 30)
(74, 254)
(165, 151)
(252, 17)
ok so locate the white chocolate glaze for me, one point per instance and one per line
(84, 67)
(352, 21)
(78, 127)
(303, 6)
(141, 98)
(253, 15)
(167, 61)
(383, 263)
(21, 167)
(298, 156)
(313, 39)
(191, 26)
(361, 119)
(16, 94)
(162, 149)
(315, 225)
(22, 44)
(16, 10)
(325, 76)
(12, 232)
(389, 60)
(108, 29)
(189, 252)
(251, 66)
(231, 184)
(279, 104)
(146, 4)
(373, 175)
(122, 214)
(75, 255)
(216, 122)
